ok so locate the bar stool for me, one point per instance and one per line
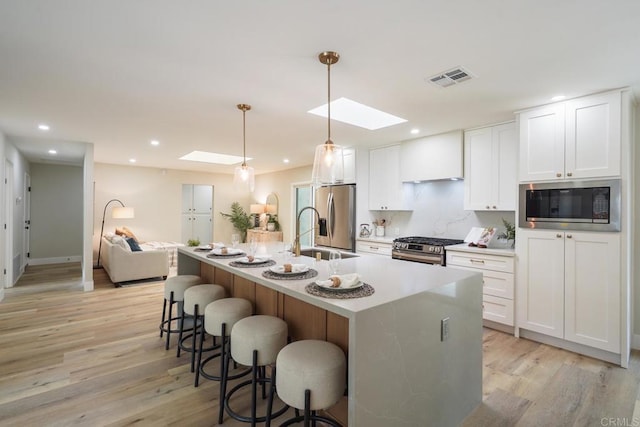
(219, 318)
(255, 342)
(174, 288)
(311, 376)
(196, 299)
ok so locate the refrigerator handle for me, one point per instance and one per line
(330, 216)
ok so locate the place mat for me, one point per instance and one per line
(256, 265)
(306, 275)
(363, 291)
(226, 256)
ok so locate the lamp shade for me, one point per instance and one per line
(328, 165)
(256, 208)
(122, 213)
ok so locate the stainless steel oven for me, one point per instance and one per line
(427, 250)
(572, 205)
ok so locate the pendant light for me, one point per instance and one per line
(244, 176)
(328, 163)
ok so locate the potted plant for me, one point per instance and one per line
(510, 232)
(240, 219)
(273, 224)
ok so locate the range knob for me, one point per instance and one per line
(438, 250)
(431, 248)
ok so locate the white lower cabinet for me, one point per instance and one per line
(497, 280)
(373, 247)
(569, 286)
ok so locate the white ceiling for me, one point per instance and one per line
(119, 73)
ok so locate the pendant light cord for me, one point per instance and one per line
(329, 102)
(244, 139)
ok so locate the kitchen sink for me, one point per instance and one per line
(324, 253)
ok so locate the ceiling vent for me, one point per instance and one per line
(451, 77)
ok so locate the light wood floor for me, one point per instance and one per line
(69, 357)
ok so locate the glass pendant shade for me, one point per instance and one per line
(328, 165)
(328, 162)
(244, 178)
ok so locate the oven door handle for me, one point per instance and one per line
(427, 259)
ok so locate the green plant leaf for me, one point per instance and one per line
(240, 219)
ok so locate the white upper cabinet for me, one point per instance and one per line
(349, 166)
(592, 138)
(576, 139)
(490, 161)
(432, 157)
(386, 190)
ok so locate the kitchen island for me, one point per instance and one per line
(404, 367)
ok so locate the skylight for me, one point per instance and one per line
(206, 157)
(351, 112)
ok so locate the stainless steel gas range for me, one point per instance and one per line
(429, 250)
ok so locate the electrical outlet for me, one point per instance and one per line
(444, 329)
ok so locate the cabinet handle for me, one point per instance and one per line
(558, 235)
(494, 207)
(569, 174)
(477, 261)
(375, 248)
(558, 175)
(569, 236)
(488, 207)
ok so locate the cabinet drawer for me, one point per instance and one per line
(497, 309)
(373, 248)
(481, 261)
(498, 284)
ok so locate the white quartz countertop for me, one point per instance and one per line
(392, 279)
(464, 247)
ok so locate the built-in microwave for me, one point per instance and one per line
(571, 205)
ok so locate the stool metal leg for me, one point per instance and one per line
(224, 370)
(195, 332)
(307, 404)
(180, 328)
(166, 347)
(254, 385)
(164, 316)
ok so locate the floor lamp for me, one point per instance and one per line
(117, 213)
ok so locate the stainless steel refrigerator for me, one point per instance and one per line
(336, 205)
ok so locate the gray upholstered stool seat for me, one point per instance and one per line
(311, 376)
(174, 288)
(219, 318)
(256, 342)
(196, 299)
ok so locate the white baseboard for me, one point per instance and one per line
(635, 342)
(57, 260)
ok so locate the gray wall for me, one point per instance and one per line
(56, 212)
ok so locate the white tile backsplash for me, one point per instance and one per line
(438, 212)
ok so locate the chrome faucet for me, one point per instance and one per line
(296, 242)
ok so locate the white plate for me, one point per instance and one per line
(326, 284)
(230, 251)
(296, 269)
(256, 260)
(204, 248)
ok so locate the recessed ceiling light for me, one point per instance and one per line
(155, 142)
(53, 152)
(415, 131)
(285, 160)
(132, 160)
(43, 127)
(351, 112)
(219, 159)
(558, 98)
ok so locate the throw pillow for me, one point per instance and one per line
(118, 240)
(130, 234)
(133, 244)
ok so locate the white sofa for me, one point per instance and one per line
(123, 265)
